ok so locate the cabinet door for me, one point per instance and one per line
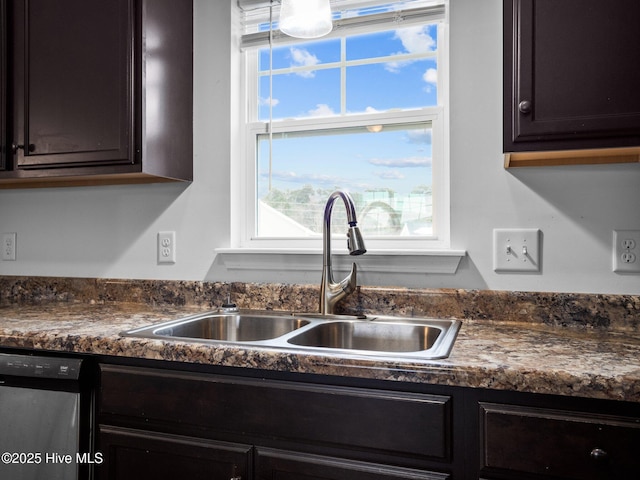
(133, 455)
(521, 440)
(3, 84)
(571, 74)
(282, 465)
(72, 77)
(365, 424)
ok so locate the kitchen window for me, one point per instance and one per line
(363, 109)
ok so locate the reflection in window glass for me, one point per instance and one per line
(386, 168)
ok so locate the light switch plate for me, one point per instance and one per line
(516, 250)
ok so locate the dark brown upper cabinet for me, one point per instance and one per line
(571, 81)
(98, 92)
(3, 84)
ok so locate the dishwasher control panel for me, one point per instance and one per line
(35, 366)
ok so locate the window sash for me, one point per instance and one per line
(432, 115)
(434, 11)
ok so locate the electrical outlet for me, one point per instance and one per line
(9, 246)
(166, 247)
(516, 250)
(626, 251)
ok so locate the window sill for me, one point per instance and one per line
(375, 261)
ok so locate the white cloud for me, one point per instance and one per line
(265, 101)
(321, 110)
(431, 76)
(306, 178)
(414, 40)
(394, 67)
(422, 136)
(302, 58)
(390, 175)
(401, 162)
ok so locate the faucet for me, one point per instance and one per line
(331, 292)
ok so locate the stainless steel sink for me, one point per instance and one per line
(379, 336)
(373, 336)
(230, 327)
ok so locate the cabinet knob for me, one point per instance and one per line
(235, 475)
(598, 455)
(525, 106)
(15, 148)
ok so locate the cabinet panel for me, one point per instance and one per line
(72, 72)
(558, 443)
(3, 84)
(366, 423)
(130, 454)
(570, 74)
(280, 465)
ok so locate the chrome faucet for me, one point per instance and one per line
(330, 291)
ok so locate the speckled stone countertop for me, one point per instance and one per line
(596, 357)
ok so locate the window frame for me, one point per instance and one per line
(244, 186)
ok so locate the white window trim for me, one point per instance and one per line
(384, 256)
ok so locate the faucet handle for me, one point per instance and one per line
(350, 282)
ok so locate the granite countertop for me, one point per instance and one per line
(528, 357)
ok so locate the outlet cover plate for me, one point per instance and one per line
(167, 247)
(9, 246)
(626, 251)
(516, 250)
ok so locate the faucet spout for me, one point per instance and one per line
(332, 292)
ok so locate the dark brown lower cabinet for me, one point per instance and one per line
(283, 465)
(200, 425)
(162, 423)
(134, 454)
(521, 440)
(137, 454)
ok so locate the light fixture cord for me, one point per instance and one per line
(270, 92)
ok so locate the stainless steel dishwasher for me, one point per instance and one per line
(46, 418)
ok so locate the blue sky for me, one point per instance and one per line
(391, 158)
(397, 159)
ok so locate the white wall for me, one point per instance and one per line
(111, 231)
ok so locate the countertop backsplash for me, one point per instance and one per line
(576, 310)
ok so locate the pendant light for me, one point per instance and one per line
(305, 18)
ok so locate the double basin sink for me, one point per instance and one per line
(380, 336)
